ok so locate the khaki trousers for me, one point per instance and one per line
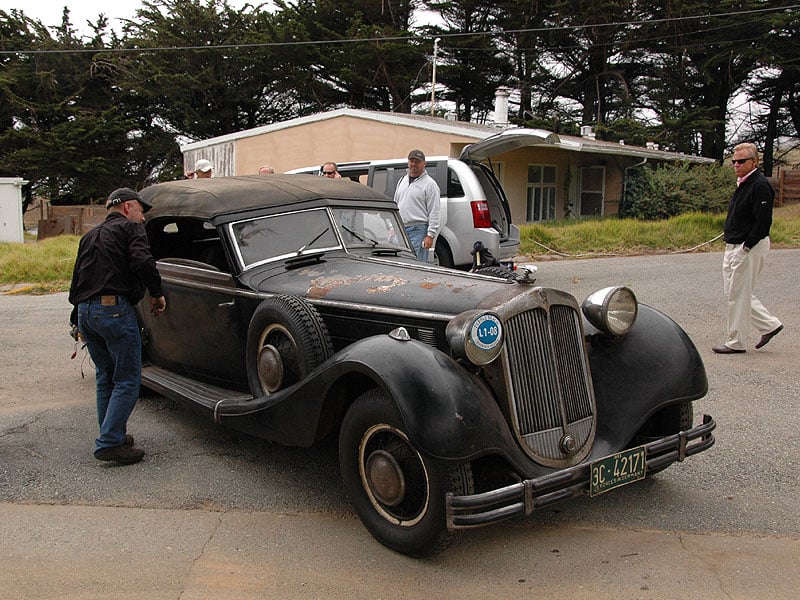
(740, 272)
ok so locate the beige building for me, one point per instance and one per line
(550, 177)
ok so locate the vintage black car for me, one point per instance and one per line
(296, 310)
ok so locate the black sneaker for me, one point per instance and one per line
(124, 455)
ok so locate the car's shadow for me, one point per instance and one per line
(238, 470)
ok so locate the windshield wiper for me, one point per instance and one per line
(360, 237)
(319, 235)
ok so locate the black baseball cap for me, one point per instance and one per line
(121, 195)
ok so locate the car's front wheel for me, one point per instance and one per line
(398, 492)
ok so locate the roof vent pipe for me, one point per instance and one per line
(501, 106)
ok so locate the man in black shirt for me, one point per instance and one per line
(746, 246)
(112, 270)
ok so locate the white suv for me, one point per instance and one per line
(474, 206)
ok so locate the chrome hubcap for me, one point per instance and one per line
(270, 368)
(385, 478)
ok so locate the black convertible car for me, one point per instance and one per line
(297, 310)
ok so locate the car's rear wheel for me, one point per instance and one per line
(286, 340)
(398, 492)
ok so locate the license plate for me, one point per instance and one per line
(616, 470)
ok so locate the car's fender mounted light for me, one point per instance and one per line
(612, 310)
(476, 335)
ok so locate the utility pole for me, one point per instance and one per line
(433, 78)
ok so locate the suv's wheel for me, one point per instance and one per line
(286, 340)
(442, 254)
(399, 494)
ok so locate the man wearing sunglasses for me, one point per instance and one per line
(746, 246)
(330, 170)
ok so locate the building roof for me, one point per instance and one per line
(457, 128)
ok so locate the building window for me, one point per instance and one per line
(541, 193)
(593, 180)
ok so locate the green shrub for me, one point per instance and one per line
(669, 190)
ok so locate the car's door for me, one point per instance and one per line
(201, 333)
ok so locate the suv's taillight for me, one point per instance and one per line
(480, 214)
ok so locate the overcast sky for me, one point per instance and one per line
(49, 11)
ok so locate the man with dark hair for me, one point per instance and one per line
(112, 270)
(746, 246)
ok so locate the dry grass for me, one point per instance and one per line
(697, 232)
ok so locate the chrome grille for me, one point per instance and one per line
(548, 382)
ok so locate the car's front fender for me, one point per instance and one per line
(653, 366)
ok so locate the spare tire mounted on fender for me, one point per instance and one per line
(286, 340)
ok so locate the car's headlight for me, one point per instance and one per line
(612, 309)
(476, 335)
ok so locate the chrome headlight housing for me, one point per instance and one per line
(612, 310)
(476, 335)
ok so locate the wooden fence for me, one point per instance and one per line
(60, 220)
(787, 187)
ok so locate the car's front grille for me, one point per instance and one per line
(548, 383)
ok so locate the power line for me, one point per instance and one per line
(413, 38)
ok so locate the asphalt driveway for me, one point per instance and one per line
(211, 513)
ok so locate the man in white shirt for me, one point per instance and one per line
(417, 197)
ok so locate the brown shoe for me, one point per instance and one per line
(124, 455)
(128, 440)
(768, 336)
(724, 349)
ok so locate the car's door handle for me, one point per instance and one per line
(226, 304)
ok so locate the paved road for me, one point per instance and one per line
(214, 514)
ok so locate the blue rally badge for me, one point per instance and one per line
(486, 332)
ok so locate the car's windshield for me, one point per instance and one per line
(283, 236)
(363, 227)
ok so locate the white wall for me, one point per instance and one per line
(11, 227)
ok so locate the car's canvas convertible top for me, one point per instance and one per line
(209, 198)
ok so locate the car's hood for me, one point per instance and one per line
(385, 284)
(510, 139)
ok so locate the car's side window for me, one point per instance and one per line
(192, 240)
(385, 179)
(454, 187)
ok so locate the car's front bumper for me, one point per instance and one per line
(527, 496)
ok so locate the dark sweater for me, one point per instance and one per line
(750, 211)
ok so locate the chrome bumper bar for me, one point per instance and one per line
(522, 499)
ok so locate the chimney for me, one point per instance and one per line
(587, 132)
(501, 106)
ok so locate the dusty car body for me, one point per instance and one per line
(297, 310)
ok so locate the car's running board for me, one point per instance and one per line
(179, 387)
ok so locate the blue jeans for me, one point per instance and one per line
(115, 345)
(417, 233)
